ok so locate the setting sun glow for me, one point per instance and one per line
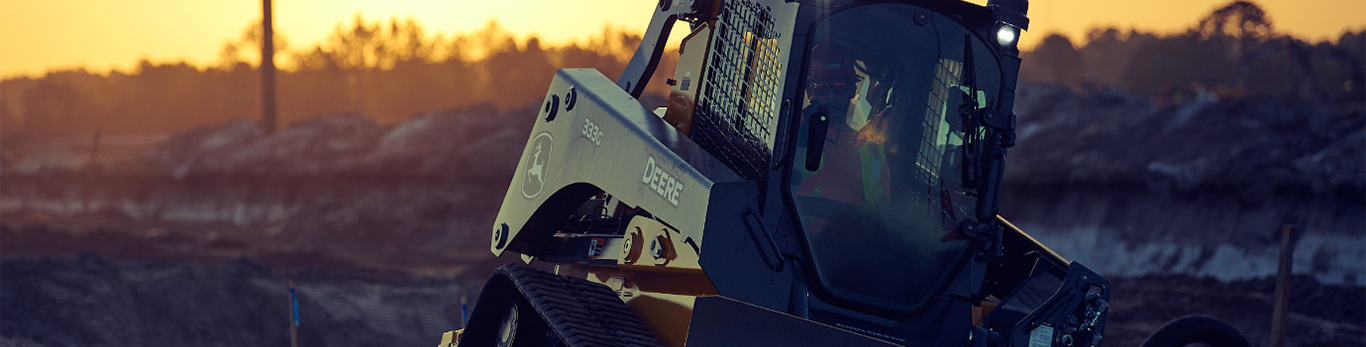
(39, 36)
(36, 36)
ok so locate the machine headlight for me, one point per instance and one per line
(1007, 34)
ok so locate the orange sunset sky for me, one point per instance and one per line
(99, 35)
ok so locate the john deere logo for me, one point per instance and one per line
(537, 162)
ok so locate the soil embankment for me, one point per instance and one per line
(385, 227)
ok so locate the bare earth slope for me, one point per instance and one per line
(385, 227)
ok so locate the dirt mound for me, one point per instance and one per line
(49, 159)
(1100, 176)
(1130, 188)
(478, 143)
(1319, 315)
(87, 301)
(337, 190)
(1256, 147)
(204, 149)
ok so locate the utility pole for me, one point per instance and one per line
(267, 69)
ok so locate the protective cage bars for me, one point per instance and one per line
(734, 117)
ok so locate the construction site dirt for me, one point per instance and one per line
(112, 287)
(191, 239)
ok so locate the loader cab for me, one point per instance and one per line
(887, 157)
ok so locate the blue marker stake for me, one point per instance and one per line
(464, 313)
(294, 303)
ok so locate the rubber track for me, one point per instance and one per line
(582, 313)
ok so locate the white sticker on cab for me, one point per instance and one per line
(1042, 336)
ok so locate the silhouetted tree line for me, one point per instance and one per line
(1233, 51)
(388, 70)
(393, 70)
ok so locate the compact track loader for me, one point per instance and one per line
(825, 173)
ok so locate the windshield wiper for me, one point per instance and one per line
(972, 141)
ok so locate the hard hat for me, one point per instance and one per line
(829, 61)
(831, 71)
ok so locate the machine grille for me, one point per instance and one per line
(734, 117)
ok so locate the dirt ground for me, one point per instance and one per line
(1321, 315)
(386, 227)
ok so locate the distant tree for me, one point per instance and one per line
(388, 69)
(1242, 25)
(1107, 53)
(1239, 19)
(247, 47)
(489, 40)
(1181, 62)
(170, 96)
(55, 107)
(1352, 56)
(359, 47)
(1055, 60)
(1213, 54)
(608, 52)
(518, 76)
(1354, 45)
(9, 120)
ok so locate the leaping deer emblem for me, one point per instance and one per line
(537, 169)
(534, 181)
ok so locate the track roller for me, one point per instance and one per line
(524, 306)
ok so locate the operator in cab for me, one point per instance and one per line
(877, 177)
(855, 171)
